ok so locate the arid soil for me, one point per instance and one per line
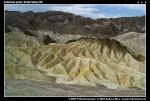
(40, 88)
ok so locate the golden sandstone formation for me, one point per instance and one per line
(87, 61)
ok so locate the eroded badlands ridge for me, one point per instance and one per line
(87, 61)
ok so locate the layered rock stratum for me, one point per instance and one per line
(56, 48)
(67, 23)
(135, 41)
(86, 61)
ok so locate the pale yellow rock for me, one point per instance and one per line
(87, 62)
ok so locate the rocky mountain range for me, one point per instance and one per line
(67, 23)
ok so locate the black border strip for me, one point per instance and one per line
(77, 1)
(147, 49)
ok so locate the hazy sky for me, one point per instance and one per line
(87, 10)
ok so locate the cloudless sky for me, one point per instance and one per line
(87, 10)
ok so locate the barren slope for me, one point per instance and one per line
(40, 88)
(87, 61)
(133, 40)
(19, 39)
(68, 23)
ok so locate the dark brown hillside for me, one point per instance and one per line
(67, 23)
